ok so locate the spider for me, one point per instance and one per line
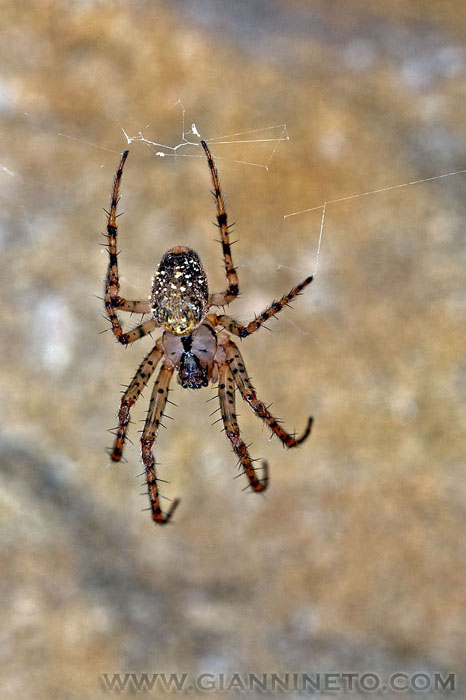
(195, 343)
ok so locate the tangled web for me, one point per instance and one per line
(267, 134)
(190, 137)
(189, 147)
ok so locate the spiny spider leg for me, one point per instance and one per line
(112, 283)
(226, 393)
(135, 307)
(131, 395)
(249, 395)
(154, 414)
(232, 291)
(138, 332)
(243, 331)
(194, 344)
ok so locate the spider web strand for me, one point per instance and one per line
(383, 189)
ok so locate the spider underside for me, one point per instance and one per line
(195, 343)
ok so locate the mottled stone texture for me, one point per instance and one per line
(355, 559)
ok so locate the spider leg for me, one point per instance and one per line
(135, 307)
(112, 283)
(149, 434)
(226, 394)
(243, 331)
(138, 332)
(249, 395)
(131, 395)
(232, 291)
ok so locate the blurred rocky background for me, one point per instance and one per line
(354, 561)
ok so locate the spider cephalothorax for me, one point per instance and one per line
(180, 295)
(193, 344)
(193, 355)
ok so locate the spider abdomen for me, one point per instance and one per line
(180, 295)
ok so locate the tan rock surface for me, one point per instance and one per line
(355, 559)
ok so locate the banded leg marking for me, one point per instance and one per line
(135, 307)
(138, 332)
(112, 284)
(226, 393)
(243, 331)
(154, 414)
(233, 289)
(248, 393)
(132, 394)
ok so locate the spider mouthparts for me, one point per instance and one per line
(192, 374)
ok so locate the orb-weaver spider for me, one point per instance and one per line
(193, 343)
